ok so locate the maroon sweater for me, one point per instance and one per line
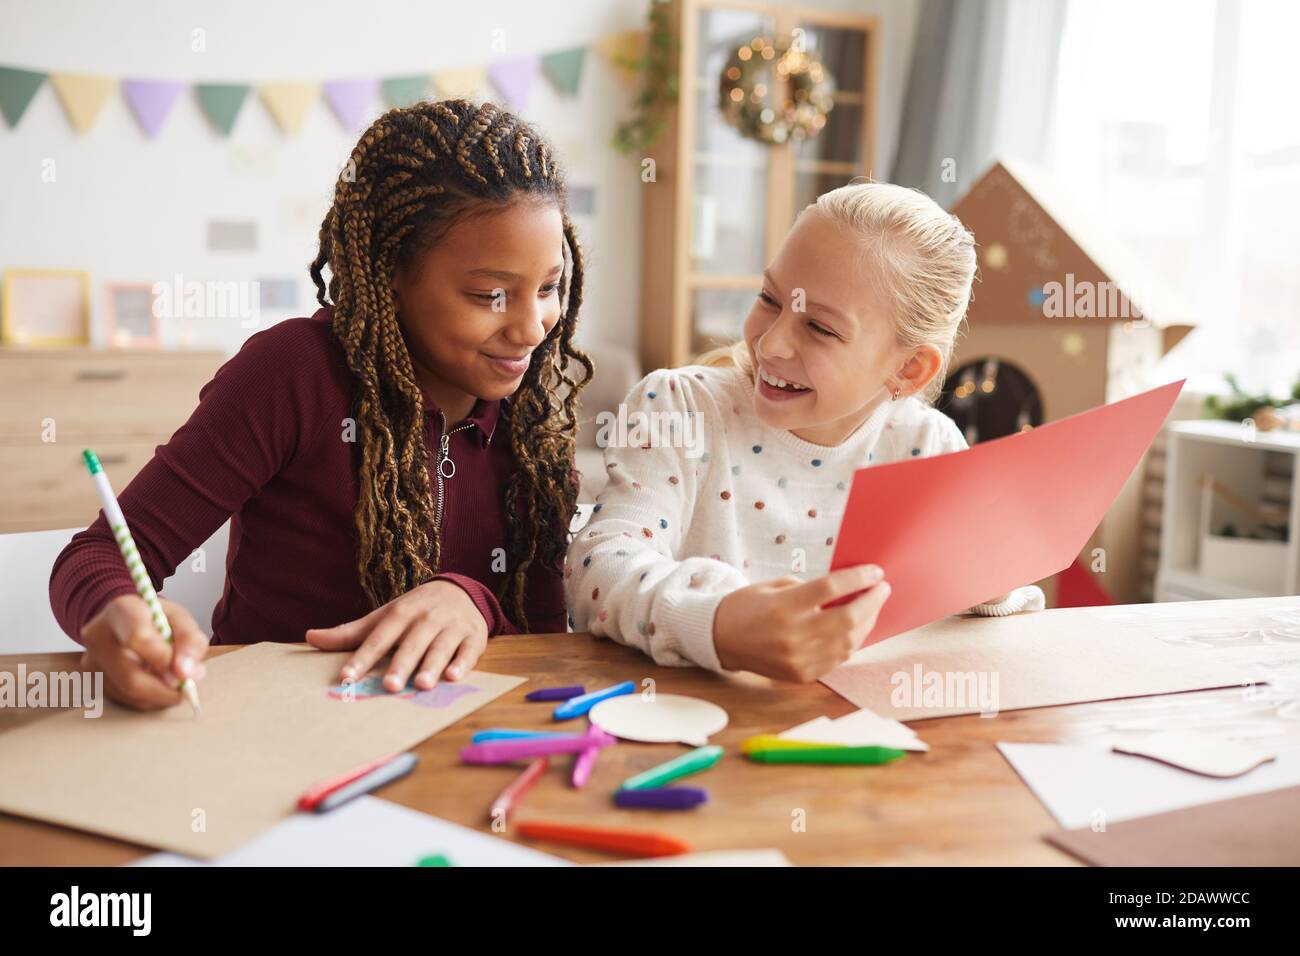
(266, 448)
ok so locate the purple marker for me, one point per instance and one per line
(662, 798)
(505, 751)
(556, 693)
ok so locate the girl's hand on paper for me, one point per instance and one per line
(436, 629)
(779, 629)
(141, 670)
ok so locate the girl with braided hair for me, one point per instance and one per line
(398, 468)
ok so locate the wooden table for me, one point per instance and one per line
(961, 803)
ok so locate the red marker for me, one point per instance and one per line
(619, 840)
(508, 800)
(337, 791)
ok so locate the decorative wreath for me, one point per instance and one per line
(748, 87)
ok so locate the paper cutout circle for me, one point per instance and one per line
(660, 719)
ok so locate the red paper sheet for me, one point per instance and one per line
(957, 529)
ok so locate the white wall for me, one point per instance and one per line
(130, 209)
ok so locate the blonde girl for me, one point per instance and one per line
(718, 555)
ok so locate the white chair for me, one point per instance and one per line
(27, 558)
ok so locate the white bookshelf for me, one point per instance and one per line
(1237, 457)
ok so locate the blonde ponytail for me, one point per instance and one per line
(924, 256)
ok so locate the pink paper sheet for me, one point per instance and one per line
(957, 529)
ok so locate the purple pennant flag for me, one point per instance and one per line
(513, 79)
(350, 100)
(151, 101)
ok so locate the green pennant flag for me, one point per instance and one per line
(222, 102)
(564, 69)
(17, 87)
(405, 90)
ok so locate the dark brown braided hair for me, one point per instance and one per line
(414, 173)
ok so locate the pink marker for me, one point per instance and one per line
(583, 764)
(508, 800)
(504, 751)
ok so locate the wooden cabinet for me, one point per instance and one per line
(720, 203)
(54, 403)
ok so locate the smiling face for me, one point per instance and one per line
(820, 338)
(479, 302)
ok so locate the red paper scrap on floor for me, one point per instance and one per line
(957, 529)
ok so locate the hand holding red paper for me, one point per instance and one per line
(779, 628)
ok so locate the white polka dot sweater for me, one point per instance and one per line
(703, 498)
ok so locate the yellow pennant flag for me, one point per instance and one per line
(629, 45)
(288, 103)
(464, 83)
(82, 97)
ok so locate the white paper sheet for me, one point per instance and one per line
(369, 832)
(861, 728)
(1080, 784)
(1198, 753)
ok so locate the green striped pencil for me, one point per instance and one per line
(130, 554)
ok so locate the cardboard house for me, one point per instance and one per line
(1062, 319)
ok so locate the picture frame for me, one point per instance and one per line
(130, 319)
(45, 307)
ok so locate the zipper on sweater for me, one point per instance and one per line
(445, 467)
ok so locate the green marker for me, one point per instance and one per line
(434, 859)
(701, 758)
(828, 754)
(134, 564)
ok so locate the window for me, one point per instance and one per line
(1176, 120)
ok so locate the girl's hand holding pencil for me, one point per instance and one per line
(143, 629)
(122, 641)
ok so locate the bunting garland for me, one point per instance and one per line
(622, 50)
(564, 69)
(151, 101)
(17, 87)
(288, 103)
(513, 79)
(463, 83)
(82, 97)
(351, 101)
(401, 91)
(221, 103)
